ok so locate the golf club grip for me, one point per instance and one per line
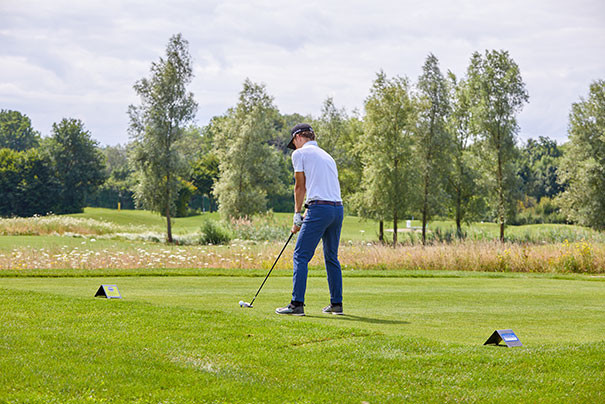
(266, 277)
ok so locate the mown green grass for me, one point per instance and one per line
(408, 339)
(354, 228)
(152, 221)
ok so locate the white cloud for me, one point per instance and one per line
(80, 59)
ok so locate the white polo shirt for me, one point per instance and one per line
(321, 174)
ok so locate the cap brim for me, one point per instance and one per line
(291, 144)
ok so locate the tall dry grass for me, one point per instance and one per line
(579, 257)
(51, 224)
(490, 256)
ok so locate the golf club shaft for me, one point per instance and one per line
(280, 253)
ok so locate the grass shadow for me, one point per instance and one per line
(370, 320)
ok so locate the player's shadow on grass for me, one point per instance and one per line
(349, 317)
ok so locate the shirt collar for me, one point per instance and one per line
(310, 143)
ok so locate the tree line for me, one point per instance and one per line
(439, 146)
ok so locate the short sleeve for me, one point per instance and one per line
(297, 161)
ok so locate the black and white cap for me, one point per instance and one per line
(301, 127)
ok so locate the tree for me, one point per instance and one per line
(27, 184)
(120, 181)
(16, 131)
(204, 175)
(498, 94)
(331, 128)
(432, 140)
(338, 134)
(350, 170)
(583, 164)
(388, 180)
(77, 163)
(465, 197)
(156, 127)
(9, 181)
(538, 168)
(249, 166)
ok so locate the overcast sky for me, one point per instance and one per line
(80, 59)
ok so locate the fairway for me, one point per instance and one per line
(185, 339)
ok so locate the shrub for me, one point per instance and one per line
(545, 211)
(214, 233)
(259, 228)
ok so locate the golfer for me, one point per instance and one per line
(315, 176)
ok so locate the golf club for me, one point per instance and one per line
(244, 304)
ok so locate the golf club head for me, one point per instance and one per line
(244, 304)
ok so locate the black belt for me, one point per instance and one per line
(311, 203)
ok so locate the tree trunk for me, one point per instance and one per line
(381, 231)
(425, 208)
(424, 226)
(395, 229)
(458, 216)
(500, 197)
(459, 205)
(168, 224)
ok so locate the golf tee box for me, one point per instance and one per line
(508, 336)
(108, 291)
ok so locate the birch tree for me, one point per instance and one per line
(498, 94)
(432, 140)
(583, 165)
(156, 127)
(388, 179)
(466, 197)
(249, 167)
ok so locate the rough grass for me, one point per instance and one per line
(53, 252)
(57, 225)
(106, 239)
(147, 226)
(185, 340)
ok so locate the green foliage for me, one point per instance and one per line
(338, 134)
(389, 177)
(497, 94)
(432, 141)
(120, 181)
(186, 191)
(77, 163)
(538, 168)
(583, 165)
(250, 168)
(466, 200)
(204, 175)
(214, 233)
(157, 125)
(281, 198)
(27, 184)
(532, 212)
(16, 131)
(259, 228)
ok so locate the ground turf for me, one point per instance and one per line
(185, 339)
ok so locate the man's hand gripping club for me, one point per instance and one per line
(300, 190)
(298, 221)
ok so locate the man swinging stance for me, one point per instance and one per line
(316, 176)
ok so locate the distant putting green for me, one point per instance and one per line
(404, 339)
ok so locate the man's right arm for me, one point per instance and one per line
(300, 189)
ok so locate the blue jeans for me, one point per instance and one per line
(321, 222)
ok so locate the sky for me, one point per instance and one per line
(80, 59)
